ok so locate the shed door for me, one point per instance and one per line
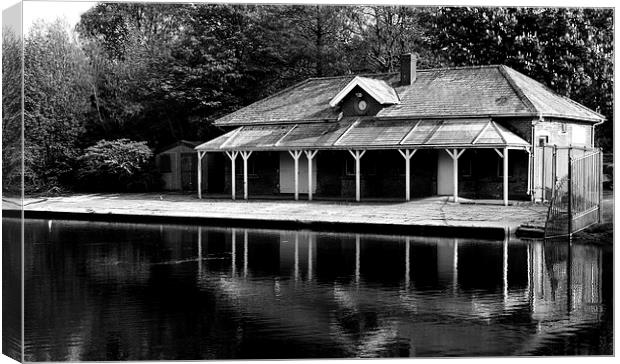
(444, 174)
(287, 174)
(189, 174)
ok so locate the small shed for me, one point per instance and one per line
(177, 164)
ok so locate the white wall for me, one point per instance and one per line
(445, 184)
(287, 174)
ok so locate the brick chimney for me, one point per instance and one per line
(408, 65)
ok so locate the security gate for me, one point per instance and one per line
(576, 201)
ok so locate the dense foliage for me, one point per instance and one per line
(117, 165)
(164, 72)
(11, 114)
(56, 81)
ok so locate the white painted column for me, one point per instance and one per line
(455, 155)
(245, 155)
(200, 156)
(505, 176)
(310, 155)
(233, 156)
(407, 154)
(296, 154)
(529, 172)
(504, 156)
(357, 155)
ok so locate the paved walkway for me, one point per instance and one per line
(433, 211)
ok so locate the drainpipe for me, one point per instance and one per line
(593, 129)
(533, 158)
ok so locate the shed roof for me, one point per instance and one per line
(368, 133)
(187, 143)
(446, 92)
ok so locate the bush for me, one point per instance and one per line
(118, 165)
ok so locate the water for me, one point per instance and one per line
(107, 291)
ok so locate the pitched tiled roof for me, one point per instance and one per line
(367, 132)
(448, 92)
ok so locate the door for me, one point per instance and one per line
(189, 174)
(445, 185)
(287, 174)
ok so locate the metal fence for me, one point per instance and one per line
(550, 164)
(575, 198)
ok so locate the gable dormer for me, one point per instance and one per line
(364, 96)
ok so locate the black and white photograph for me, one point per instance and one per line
(227, 180)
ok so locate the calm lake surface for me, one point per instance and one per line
(110, 291)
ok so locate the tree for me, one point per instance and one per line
(381, 34)
(56, 85)
(569, 50)
(11, 111)
(117, 165)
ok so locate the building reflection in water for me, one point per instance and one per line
(559, 285)
(348, 294)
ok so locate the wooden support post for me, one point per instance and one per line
(296, 154)
(455, 155)
(600, 187)
(407, 154)
(310, 155)
(570, 193)
(357, 155)
(529, 171)
(504, 156)
(554, 170)
(245, 155)
(505, 176)
(543, 175)
(200, 156)
(233, 156)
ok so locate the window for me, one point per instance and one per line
(164, 163)
(349, 166)
(465, 165)
(564, 128)
(543, 140)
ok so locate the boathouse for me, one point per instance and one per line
(470, 132)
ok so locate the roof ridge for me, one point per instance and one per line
(418, 70)
(520, 94)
